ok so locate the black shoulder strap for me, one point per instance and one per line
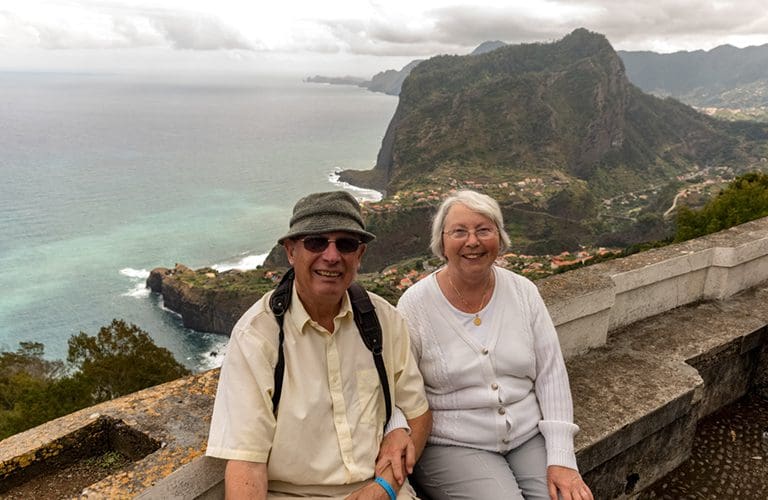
(279, 303)
(367, 324)
(370, 330)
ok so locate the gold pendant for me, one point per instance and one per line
(477, 321)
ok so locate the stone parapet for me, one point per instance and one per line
(590, 303)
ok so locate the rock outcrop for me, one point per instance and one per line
(207, 301)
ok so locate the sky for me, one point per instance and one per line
(334, 38)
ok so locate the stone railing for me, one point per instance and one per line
(593, 307)
(587, 304)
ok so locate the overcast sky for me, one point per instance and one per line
(333, 37)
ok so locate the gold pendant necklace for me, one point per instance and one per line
(476, 320)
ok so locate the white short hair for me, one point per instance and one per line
(477, 202)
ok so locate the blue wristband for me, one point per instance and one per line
(387, 487)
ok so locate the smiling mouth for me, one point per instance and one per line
(328, 274)
(472, 256)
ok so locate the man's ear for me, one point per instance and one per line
(289, 246)
(362, 250)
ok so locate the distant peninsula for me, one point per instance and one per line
(337, 80)
(387, 82)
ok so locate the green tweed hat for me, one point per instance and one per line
(320, 213)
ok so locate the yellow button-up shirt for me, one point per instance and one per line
(331, 413)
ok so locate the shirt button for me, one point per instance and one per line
(485, 350)
(502, 411)
(494, 386)
(505, 440)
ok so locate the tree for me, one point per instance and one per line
(744, 199)
(121, 359)
(34, 390)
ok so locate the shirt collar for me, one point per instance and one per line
(300, 317)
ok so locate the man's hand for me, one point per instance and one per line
(370, 491)
(397, 450)
(568, 482)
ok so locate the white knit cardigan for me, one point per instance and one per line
(496, 396)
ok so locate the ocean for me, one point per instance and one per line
(106, 176)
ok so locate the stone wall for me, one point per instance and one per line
(587, 304)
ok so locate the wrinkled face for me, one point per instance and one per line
(323, 277)
(469, 253)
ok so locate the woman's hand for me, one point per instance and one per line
(568, 482)
(397, 450)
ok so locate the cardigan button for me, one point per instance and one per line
(494, 386)
(502, 411)
(485, 350)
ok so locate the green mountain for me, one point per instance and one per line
(557, 133)
(725, 76)
(565, 106)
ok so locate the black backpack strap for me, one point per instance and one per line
(370, 331)
(279, 303)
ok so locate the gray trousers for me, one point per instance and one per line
(455, 472)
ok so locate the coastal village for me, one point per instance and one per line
(695, 187)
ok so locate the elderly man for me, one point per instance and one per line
(324, 437)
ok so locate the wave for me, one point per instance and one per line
(213, 357)
(139, 278)
(139, 291)
(135, 273)
(161, 304)
(362, 194)
(244, 264)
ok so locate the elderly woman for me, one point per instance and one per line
(494, 374)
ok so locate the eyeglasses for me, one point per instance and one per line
(317, 244)
(484, 233)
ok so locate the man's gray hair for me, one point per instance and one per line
(477, 202)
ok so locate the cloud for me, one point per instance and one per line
(472, 27)
(385, 37)
(650, 24)
(101, 26)
(379, 28)
(197, 32)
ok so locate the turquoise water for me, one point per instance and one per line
(105, 177)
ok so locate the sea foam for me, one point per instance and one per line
(135, 273)
(139, 291)
(215, 355)
(139, 278)
(244, 264)
(361, 194)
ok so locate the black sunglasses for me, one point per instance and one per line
(317, 244)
